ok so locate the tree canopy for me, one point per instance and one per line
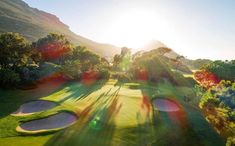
(14, 50)
(53, 47)
(224, 70)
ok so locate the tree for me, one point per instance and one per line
(72, 69)
(177, 60)
(122, 61)
(218, 104)
(223, 70)
(8, 78)
(116, 61)
(125, 51)
(163, 50)
(54, 48)
(14, 50)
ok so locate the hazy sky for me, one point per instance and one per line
(193, 28)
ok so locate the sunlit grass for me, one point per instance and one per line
(114, 115)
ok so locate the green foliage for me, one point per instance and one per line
(72, 69)
(179, 79)
(28, 74)
(48, 68)
(154, 66)
(8, 78)
(54, 48)
(122, 62)
(196, 64)
(83, 60)
(117, 59)
(14, 50)
(230, 141)
(87, 58)
(157, 69)
(81, 53)
(221, 96)
(218, 103)
(223, 70)
(17, 16)
(103, 73)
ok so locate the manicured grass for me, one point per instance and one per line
(110, 113)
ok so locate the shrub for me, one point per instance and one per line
(49, 70)
(9, 78)
(28, 74)
(104, 74)
(218, 104)
(72, 70)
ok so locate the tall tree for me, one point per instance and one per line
(14, 50)
(125, 58)
(54, 48)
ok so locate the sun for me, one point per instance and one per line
(136, 27)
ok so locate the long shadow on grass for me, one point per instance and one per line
(11, 100)
(96, 126)
(80, 91)
(179, 127)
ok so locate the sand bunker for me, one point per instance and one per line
(51, 123)
(33, 107)
(165, 105)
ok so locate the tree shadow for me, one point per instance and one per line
(96, 124)
(11, 100)
(82, 91)
(171, 128)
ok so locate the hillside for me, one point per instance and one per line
(17, 16)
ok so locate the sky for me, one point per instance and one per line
(193, 28)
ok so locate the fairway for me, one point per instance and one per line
(113, 113)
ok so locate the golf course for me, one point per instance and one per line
(108, 113)
(117, 73)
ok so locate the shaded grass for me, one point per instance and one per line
(111, 114)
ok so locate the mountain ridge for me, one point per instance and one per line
(17, 16)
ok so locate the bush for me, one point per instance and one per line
(104, 74)
(218, 104)
(72, 70)
(28, 74)
(9, 78)
(49, 71)
(48, 68)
